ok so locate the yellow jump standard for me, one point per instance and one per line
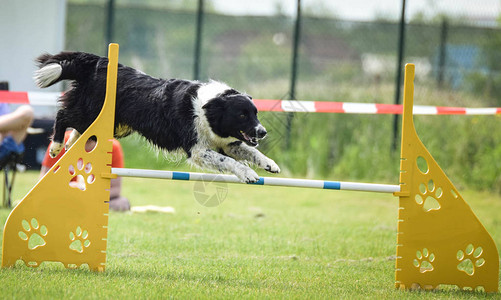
(439, 240)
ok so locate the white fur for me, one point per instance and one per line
(210, 90)
(47, 75)
(207, 138)
(55, 148)
(242, 152)
(210, 159)
(72, 139)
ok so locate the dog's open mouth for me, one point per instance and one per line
(249, 140)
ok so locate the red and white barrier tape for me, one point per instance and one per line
(366, 108)
(50, 99)
(32, 98)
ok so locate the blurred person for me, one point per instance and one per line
(13, 131)
(117, 202)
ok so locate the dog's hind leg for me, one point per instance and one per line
(209, 159)
(242, 152)
(59, 128)
(55, 148)
(72, 139)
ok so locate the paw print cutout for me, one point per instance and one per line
(33, 233)
(79, 240)
(423, 260)
(469, 259)
(81, 175)
(428, 196)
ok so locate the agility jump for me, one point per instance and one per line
(432, 243)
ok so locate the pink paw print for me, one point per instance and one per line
(81, 175)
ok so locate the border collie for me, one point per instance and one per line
(216, 126)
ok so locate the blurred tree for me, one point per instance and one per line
(486, 81)
(318, 8)
(171, 4)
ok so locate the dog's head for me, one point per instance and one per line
(233, 114)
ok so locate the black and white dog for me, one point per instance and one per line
(214, 124)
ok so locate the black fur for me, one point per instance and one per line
(160, 110)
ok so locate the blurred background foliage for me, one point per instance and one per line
(458, 63)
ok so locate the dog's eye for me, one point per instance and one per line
(242, 116)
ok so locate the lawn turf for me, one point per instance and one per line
(261, 242)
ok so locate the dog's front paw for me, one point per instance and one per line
(247, 175)
(55, 148)
(271, 166)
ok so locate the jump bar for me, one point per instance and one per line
(275, 181)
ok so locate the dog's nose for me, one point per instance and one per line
(261, 132)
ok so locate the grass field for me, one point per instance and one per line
(261, 242)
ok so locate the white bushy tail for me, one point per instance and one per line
(47, 75)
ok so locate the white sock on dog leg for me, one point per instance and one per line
(72, 139)
(55, 148)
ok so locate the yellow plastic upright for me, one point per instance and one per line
(440, 240)
(63, 223)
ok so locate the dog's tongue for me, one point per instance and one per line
(246, 136)
(249, 139)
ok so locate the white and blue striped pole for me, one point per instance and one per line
(275, 181)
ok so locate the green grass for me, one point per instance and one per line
(261, 242)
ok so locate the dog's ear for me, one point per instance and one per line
(216, 104)
(214, 112)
